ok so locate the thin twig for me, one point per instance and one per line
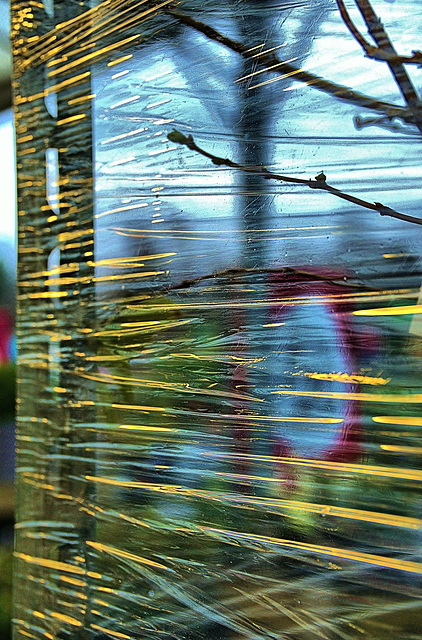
(303, 272)
(383, 42)
(380, 121)
(375, 53)
(319, 182)
(415, 58)
(272, 64)
(352, 28)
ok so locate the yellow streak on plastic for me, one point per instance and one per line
(413, 398)
(48, 294)
(140, 427)
(75, 118)
(139, 407)
(274, 324)
(346, 554)
(89, 57)
(390, 311)
(170, 386)
(99, 546)
(401, 449)
(74, 581)
(414, 421)
(50, 564)
(39, 614)
(65, 618)
(117, 262)
(115, 634)
(53, 89)
(324, 509)
(270, 503)
(348, 378)
(342, 467)
(122, 59)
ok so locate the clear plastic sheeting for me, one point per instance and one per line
(219, 319)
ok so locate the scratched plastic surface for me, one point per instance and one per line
(220, 372)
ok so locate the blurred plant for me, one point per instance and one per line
(7, 410)
(7, 277)
(5, 591)
(7, 366)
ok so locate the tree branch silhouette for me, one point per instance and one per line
(371, 51)
(318, 183)
(270, 63)
(385, 51)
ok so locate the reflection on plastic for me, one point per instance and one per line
(219, 396)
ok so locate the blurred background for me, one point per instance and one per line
(7, 316)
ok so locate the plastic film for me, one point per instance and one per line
(219, 335)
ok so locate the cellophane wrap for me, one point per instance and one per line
(219, 319)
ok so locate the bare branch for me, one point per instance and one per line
(381, 121)
(415, 58)
(272, 64)
(338, 280)
(384, 44)
(376, 53)
(353, 29)
(318, 183)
